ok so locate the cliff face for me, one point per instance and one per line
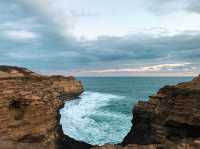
(169, 120)
(172, 116)
(29, 109)
(30, 103)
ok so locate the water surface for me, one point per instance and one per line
(103, 112)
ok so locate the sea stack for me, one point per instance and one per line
(29, 109)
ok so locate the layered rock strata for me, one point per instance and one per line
(171, 116)
(30, 103)
(29, 109)
(169, 120)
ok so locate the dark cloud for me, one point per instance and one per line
(53, 51)
(171, 6)
(194, 6)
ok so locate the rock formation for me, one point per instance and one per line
(169, 120)
(171, 116)
(30, 103)
(29, 109)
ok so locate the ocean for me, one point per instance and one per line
(103, 113)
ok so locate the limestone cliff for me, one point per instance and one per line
(29, 109)
(30, 103)
(172, 116)
(169, 120)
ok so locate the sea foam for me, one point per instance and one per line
(87, 120)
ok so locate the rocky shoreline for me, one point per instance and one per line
(30, 103)
(169, 120)
(29, 109)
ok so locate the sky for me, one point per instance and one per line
(102, 37)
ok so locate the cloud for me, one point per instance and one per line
(194, 6)
(171, 6)
(143, 47)
(83, 13)
(164, 67)
(152, 68)
(20, 34)
(49, 45)
(57, 15)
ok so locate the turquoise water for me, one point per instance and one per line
(103, 112)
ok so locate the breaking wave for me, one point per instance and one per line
(87, 119)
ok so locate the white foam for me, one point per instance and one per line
(78, 119)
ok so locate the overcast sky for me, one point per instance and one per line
(101, 37)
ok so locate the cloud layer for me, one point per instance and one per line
(171, 6)
(38, 35)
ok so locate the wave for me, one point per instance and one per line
(87, 120)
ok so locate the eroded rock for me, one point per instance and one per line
(30, 103)
(172, 116)
(29, 108)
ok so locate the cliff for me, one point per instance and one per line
(30, 103)
(169, 120)
(171, 116)
(29, 109)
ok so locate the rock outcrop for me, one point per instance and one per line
(169, 120)
(181, 145)
(30, 103)
(29, 109)
(172, 116)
